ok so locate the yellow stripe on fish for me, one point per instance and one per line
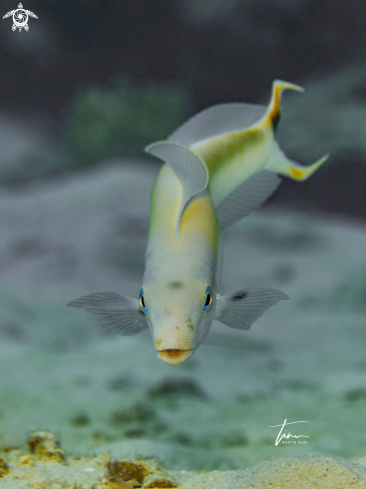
(274, 108)
(198, 222)
(219, 166)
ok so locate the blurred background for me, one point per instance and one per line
(82, 92)
(93, 80)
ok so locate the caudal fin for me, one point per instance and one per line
(273, 114)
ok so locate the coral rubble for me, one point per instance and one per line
(46, 466)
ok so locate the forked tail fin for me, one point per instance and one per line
(279, 163)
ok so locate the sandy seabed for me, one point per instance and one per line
(303, 360)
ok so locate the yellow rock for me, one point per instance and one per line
(4, 468)
(45, 445)
(26, 460)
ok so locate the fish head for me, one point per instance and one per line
(179, 314)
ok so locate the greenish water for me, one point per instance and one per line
(303, 360)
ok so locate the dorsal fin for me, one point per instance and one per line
(220, 119)
(228, 118)
(247, 198)
(189, 168)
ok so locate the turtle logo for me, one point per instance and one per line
(20, 18)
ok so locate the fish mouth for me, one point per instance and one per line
(174, 356)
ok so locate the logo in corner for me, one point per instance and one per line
(20, 18)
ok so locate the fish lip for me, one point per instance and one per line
(174, 356)
(174, 349)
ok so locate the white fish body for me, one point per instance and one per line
(219, 166)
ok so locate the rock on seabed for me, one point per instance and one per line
(45, 466)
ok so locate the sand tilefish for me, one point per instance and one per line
(219, 166)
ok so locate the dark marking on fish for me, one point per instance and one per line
(276, 120)
(239, 296)
(190, 324)
(175, 285)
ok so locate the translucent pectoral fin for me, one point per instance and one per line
(247, 198)
(189, 168)
(242, 308)
(114, 312)
(279, 163)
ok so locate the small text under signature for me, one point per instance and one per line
(288, 435)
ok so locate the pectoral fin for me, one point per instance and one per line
(242, 308)
(279, 163)
(189, 168)
(247, 197)
(217, 120)
(114, 312)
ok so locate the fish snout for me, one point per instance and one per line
(173, 338)
(174, 343)
(174, 356)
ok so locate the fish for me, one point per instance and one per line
(219, 166)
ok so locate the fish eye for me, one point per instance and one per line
(142, 301)
(208, 299)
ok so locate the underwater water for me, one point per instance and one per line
(74, 215)
(303, 360)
